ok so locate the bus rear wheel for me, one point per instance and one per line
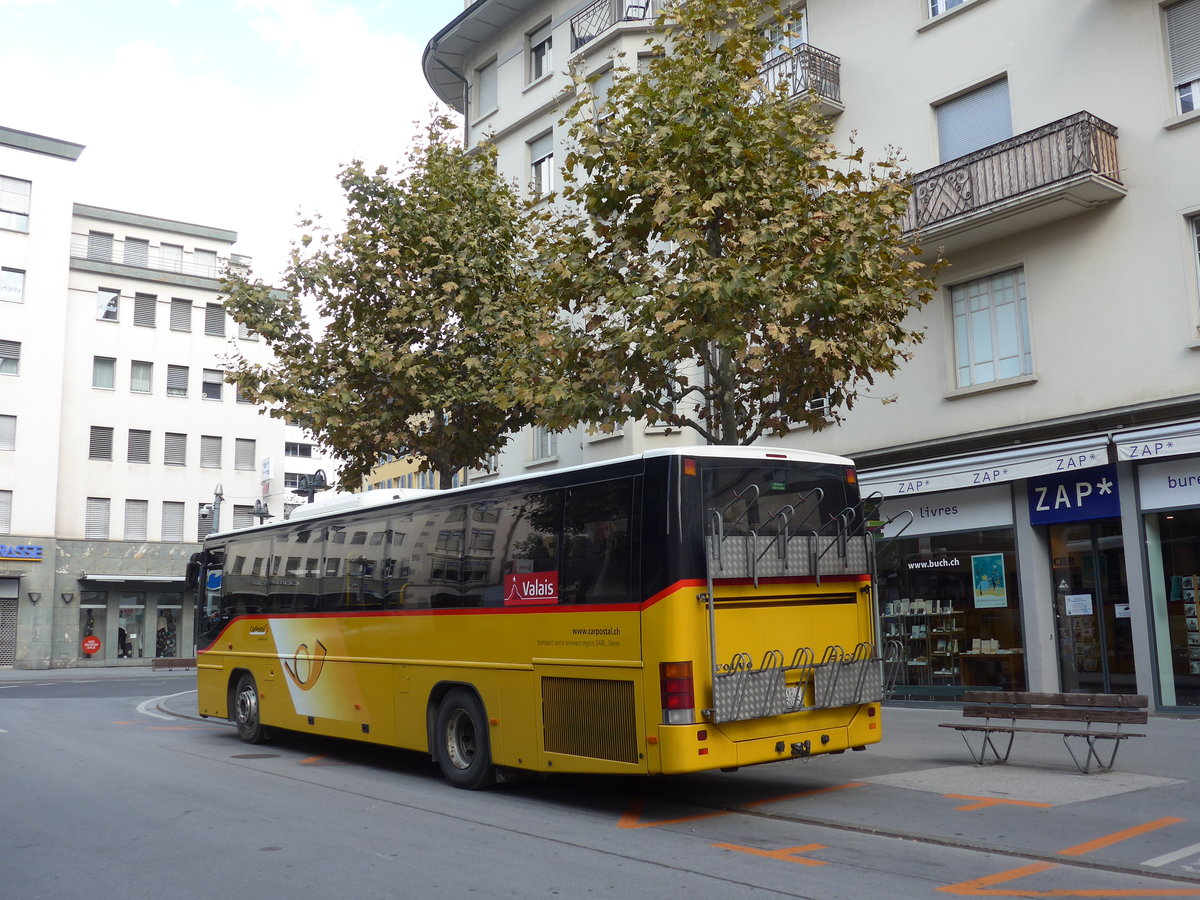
(463, 750)
(246, 714)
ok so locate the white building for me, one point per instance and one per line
(1046, 440)
(120, 442)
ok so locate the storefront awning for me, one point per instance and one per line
(1009, 464)
(1176, 439)
(140, 579)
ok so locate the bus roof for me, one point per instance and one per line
(348, 503)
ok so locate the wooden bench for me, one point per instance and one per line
(1002, 710)
(172, 662)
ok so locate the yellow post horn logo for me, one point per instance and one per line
(309, 664)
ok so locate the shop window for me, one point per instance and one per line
(952, 602)
(1173, 540)
(93, 621)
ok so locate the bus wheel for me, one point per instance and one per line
(245, 711)
(463, 752)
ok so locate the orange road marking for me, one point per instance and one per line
(313, 761)
(984, 887)
(787, 854)
(1119, 836)
(633, 814)
(984, 802)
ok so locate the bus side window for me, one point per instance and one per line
(597, 543)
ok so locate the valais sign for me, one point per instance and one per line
(530, 588)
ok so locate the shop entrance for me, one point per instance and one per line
(1091, 608)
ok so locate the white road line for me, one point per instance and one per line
(1168, 858)
(145, 706)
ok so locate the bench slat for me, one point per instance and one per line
(1049, 713)
(1017, 729)
(1121, 701)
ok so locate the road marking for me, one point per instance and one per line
(145, 710)
(787, 854)
(1117, 837)
(633, 814)
(1168, 858)
(984, 802)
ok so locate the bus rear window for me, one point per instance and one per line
(806, 497)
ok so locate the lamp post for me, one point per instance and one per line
(218, 499)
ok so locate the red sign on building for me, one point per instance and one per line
(91, 645)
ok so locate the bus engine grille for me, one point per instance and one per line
(590, 717)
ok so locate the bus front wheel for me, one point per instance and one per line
(463, 751)
(246, 714)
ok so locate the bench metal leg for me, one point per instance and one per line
(986, 744)
(1092, 756)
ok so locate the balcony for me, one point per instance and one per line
(807, 70)
(1041, 176)
(599, 17)
(99, 252)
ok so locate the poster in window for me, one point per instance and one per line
(988, 584)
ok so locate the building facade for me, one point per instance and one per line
(121, 444)
(1040, 468)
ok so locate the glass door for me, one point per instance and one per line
(1091, 607)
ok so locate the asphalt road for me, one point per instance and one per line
(109, 788)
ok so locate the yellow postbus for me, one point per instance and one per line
(682, 610)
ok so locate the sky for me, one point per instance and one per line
(236, 114)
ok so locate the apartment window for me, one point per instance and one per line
(205, 262)
(136, 514)
(243, 454)
(12, 285)
(100, 444)
(139, 446)
(100, 246)
(214, 319)
(8, 432)
(107, 304)
(244, 332)
(171, 257)
(541, 164)
(104, 372)
(974, 120)
(172, 521)
(210, 389)
(293, 448)
(1183, 43)
(10, 357)
(177, 381)
(145, 310)
(141, 376)
(291, 479)
(937, 7)
(243, 516)
(14, 203)
(210, 451)
(485, 79)
(204, 521)
(5, 512)
(136, 252)
(545, 443)
(240, 395)
(991, 329)
(96, 521)
(174, 449)
(540, 57)
(181, 315)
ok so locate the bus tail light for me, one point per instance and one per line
(851, 476)
(678, 693)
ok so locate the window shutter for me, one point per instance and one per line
(101, 443)
(1183, 40)
(487, 89)
(14, 195)
(181, 315)
(541, 147)
(8, 432)
(175, 449)
(243, 454)
(136, 514)
(145, 308)
(212, 380)
(10, 357)
(210, 451)
(172, 521)
(100, 246)
(214, 319)
(243, 516)
(973, 121)
(177, 379)
(139, 446)
(96, 522)
(5, 512)
(205, 262)
(137, 252)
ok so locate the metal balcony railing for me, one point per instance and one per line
(1077, 146)
(806, 69)
(602, 15)
(103, 248)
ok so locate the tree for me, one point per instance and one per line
(428, 316)
(731, 265)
